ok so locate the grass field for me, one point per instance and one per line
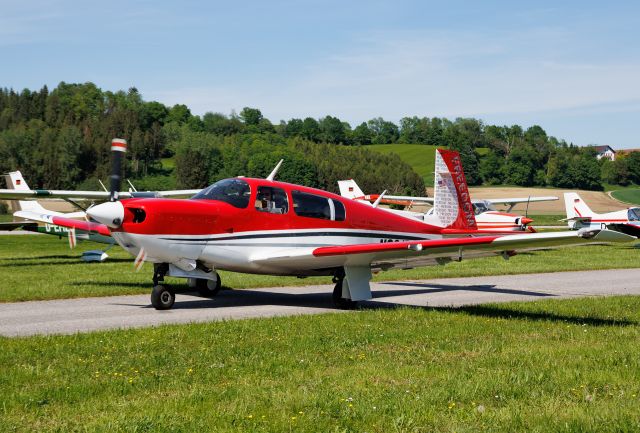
(561, 366)
(419, 156)
(631, 196)
(42, 267)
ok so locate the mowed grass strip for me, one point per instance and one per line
(41, 267)
(553, 365)
(631, 196)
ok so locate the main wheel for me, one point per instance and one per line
(162, 297)
(340, 302)
(208, 288)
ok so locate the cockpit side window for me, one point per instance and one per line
(479, 207)
(634, 214)
(316, 206)
(272, 200)
(236, 192)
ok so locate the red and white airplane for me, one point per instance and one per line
(261, 226)
(580, 216)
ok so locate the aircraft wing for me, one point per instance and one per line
(432, 251)
(64, 222)
(38, 194)
(401, 199)
(513, 201)
(370, 253)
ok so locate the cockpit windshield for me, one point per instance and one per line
(634, 214)
(235, 191)
(482, 206)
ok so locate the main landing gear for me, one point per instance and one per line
(208, 288)
(163, 296)
(338, 301)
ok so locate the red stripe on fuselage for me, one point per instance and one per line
(399, 246)
(200, 217)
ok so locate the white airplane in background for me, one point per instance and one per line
(31, 216)
(579, 216)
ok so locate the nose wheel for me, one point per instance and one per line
(162, 297)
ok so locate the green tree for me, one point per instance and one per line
(361, 135)
(251, 116)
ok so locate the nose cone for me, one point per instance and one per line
(525, 221)
(110, 213)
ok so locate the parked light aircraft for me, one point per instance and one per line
(580, 216)
(33, 211)
(262, 226)
(24, 206)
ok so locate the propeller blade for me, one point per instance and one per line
(71, 234)
(139, 261)
(118, 148)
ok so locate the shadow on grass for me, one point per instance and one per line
(509, 313)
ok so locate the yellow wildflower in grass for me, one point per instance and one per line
(452, 405)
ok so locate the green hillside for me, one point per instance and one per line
(421, 157)
(631, 195)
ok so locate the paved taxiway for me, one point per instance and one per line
(89, 314)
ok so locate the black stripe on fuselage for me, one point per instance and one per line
(303, 234)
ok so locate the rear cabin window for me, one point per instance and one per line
(316, 206)
(272, 200)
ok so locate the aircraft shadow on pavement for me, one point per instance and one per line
(322, 300)
(488, 288)
(248, 297)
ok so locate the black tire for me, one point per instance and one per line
(208, 288)
(162, 297)
(340, 302)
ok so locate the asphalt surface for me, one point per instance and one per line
(89, 314)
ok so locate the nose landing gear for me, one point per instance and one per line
(162, 296)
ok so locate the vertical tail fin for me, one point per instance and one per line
(15, 181)
(575, 206)
(452, 201)
(349, 189)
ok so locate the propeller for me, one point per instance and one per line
(111, 213)
(118, 148)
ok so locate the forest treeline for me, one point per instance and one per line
(59, 139)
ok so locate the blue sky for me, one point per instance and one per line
(571, 67)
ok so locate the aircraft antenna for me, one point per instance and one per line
(131, 185)
(275, 170)
(377, 202)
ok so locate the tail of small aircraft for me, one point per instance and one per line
(452, 201)
(576, 207)
(349, 189)
(15, 181)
